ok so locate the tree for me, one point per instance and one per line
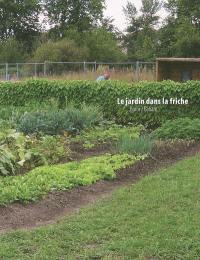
(11, 51)
(167, 38)
(142, 37)
(149, 11)
(180, 35)
(82, 14)
(185, 8)
(102, 46)
(19, 19)
(108, 24)
(62, 51)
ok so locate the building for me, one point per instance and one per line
(178, 69)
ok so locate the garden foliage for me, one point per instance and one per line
(54, 122)
(105, 95)
(130, 145)
(45, 179)
(181, 128)
(20, 153)
(106, 134)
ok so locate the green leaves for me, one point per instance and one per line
(42, 180)
(7, 162)
(106, 134)
(105, 94)
(19, 153)
(53, 122)
(182, 128)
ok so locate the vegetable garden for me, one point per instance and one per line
(42, 121)
(56, 136)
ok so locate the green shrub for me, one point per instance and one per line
(63, 50)
(105, 95)
(182, 128)
(84, 117)
(141, 145)
(55, 122)
(45, 179)
(51, 122)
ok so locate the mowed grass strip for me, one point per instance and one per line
(158, 218)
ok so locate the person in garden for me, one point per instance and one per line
(105, 76)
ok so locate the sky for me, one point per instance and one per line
(115, 9)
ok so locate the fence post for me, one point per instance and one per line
(45, 68)
(95, 66)
(35, 70)
(17, 65)
(137, 70)
(84, 66)
(7, 77)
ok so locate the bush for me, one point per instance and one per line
(55, 122)
(64, 50)
(182, 128)
(128, 145)
(105, 95)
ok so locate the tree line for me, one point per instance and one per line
(76, 30)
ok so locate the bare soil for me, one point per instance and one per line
(56, 205)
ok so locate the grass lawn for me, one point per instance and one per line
(158, 218)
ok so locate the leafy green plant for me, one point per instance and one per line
(182, 128)
(28, 152)
(10, 114)
(84, 117)
(55, 122)
(129, 145)
(42, 180)
(21, 147)
(7, 162)
(100, 135)
(53, 148)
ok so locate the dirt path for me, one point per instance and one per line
(58, 204)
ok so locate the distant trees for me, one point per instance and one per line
(63, 50)
(95, 45)
(103, 46)
(77, 30)
(11, 51)
(20, 19)
(179, 34)
(141, 38)
(182, 29)
(81, 14)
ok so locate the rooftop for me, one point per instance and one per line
(179, 59)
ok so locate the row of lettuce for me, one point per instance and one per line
(37, 135)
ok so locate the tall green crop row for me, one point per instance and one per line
(106, 94)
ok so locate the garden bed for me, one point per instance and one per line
(57, 204)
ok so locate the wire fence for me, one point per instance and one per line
(130, 71)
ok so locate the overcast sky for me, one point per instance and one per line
(115, 9)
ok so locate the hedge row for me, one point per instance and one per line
(106, 94)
